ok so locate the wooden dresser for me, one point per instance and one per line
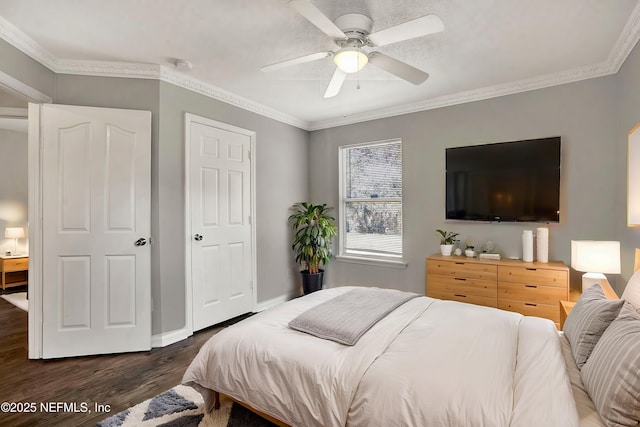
(530, 288)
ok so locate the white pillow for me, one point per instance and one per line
(632, 291)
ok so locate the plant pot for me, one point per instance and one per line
(446, 249)
(469, 252)
(311, 282)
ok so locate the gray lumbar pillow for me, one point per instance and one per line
(588, 320)
(611, 376)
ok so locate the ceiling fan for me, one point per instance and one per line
(352, 32)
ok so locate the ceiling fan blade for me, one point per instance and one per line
(295, 61)
(423, 26)
(317, 18)
(336, 83)
(397, 68)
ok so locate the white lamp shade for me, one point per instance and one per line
(350, 60)
(14, 233)
(595, 256)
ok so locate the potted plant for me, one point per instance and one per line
(313, 231)
(469, 248)
(447, 240)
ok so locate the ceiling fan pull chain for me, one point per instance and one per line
(358, 59)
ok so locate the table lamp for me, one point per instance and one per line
(14, 233)
(595, 259)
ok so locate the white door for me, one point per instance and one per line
(219, 212)
(96, 294)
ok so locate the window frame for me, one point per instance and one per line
(370, 258)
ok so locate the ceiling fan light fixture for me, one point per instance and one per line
(350, 59)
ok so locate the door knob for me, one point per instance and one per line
(197, 237)
(141, 242)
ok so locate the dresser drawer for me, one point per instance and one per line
(462, 269)
(462, 297)
(467, 286)
(531, 293)
(15, 264)
(551, 312)
(534, 276)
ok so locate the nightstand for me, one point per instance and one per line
(14, 270)
(565, 309)
(567, 306)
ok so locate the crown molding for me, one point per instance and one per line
(622, 48)
(626, 41)
(108, 69)
(464, 97)
(169, 75)
(15, 37)
(172, 76)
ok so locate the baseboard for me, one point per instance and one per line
(167, 338)
(263, 305)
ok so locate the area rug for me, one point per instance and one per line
(182, 406)
(19, 299)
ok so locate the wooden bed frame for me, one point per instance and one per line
(216, 405)
(565, 308)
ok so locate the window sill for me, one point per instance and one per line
(371, 261)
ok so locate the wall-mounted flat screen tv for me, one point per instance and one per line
(508, 181)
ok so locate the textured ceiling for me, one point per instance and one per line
(486, 44)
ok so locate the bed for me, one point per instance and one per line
(428, 362)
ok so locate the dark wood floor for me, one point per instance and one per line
(116, 380)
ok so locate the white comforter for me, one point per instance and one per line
(428, 363)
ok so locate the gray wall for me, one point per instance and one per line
(628, 115)
(13, 187)
(582, 113)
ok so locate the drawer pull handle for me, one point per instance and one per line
(531, 286)
(530, 304)
(459, 263)
(460, 295)
(459, 278)
(532, 269)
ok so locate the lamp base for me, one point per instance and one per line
(590, 279)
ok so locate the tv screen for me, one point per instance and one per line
(509, 181)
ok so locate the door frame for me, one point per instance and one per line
(188, 120)
(34, 212)
(35, 233)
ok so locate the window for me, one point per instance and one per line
(371, 201)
